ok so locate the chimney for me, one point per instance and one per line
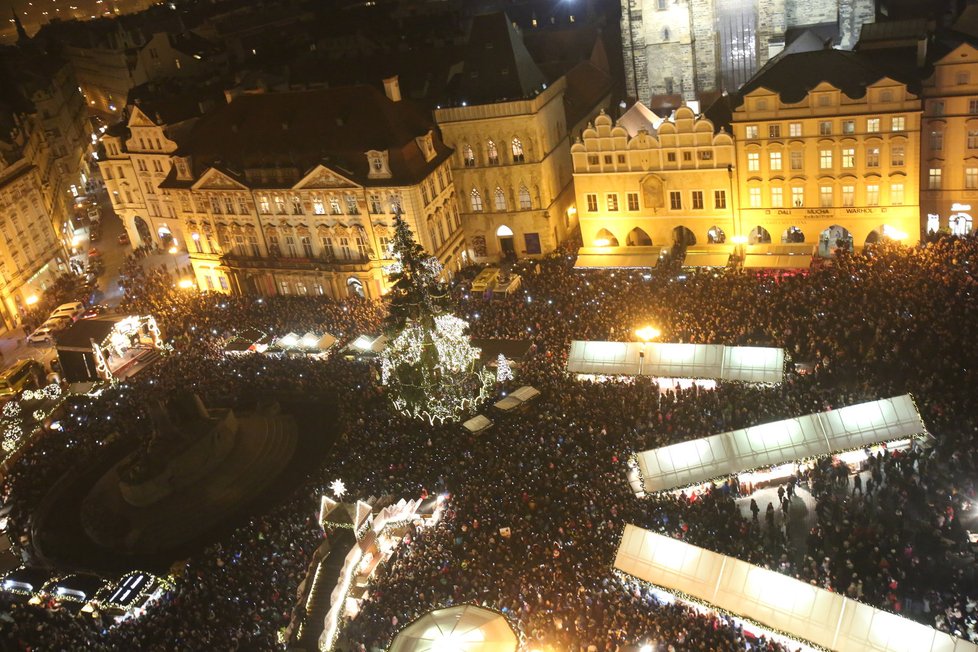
(393, 89)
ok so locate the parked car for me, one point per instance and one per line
(123, 238)
(22, 374)
(94, 253)
(94, 311)
(44, 334)
(72, 310)
(94, 234)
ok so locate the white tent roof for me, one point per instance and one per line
(325, 342)
(465, 628)
(369, 343)
(773, 600)
(508, 403)
(525, 393)
(478, 423)
(771, 444)
(671, 360)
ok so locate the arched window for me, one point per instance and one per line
(500, 199)
(525, 202)
(517, 151)
(492, 153)
(468, 155)
(476, 201)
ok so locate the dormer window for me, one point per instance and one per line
(379, 166)
(427, 146)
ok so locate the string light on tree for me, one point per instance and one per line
(504, 371)
(431, 368)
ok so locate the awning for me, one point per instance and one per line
(697, 259)
(778, 602)
(770, 444)
(775, 261)
(602, 261)
(753, 364)
(478, 423)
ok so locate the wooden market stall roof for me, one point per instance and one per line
(781, 603)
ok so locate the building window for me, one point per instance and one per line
(242, 206)
(290, 247)
(848, 158)
(215, 205)
(621, 159)
(797, 160)
(697, 200)
(848, 195)
(754, 197)
(872, 125)
(476, 200)
(376, 205)
(753, 161)
(468, 156)
(973, 139)
(306, 246)
(971, 178)
(705, 155)
(750, 132)
(592, 159)
(936, 140)
(719, 199)
(848, 127)
(607, 159)
(280, 204)
(896, 193)
(612, 200)
(963, 78)
(797, 196)
(825, 196)
(632, 201)
(934, 179)
(896, 156)
(825, 159)
(334, 205)
(774, 131)
(518, 151)
(424, 195)
(671, 157)
(825, 128)
(794, 130)
(973, 106)
(872, 195)
(499, 199)
(675, 200)
(229, 206)
(264, 204)
(492, 154)
(775, 160)
(525, 203)
(687, 156)
(345, 252)
(273, 248)
(898, 123)
(777, 197)
(362, 245)
(327, 244)
(592, 203)
(296, 205)
(872, 157)
(937, 108)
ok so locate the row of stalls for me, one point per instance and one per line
(515, 400)
(677, 363)
(783, 608)
(772, 452)
(787, 258)
(253, 340)
(83, 593)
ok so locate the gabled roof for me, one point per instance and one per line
(298, 130)
(794, 76)
(498, 66)
(639, 117)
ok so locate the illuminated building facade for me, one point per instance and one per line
(288, 193)
(688, 47)
(949, 164)
(648, 182)
(828, 151)
(510, 132)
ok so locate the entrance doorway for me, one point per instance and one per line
(832, 239)
(354, 288)
(638, 238)
(506, 245)
(960, 224)
(142, 230)
(759, 235)
(792, 235)
(716, 235)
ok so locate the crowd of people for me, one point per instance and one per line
(537, 504)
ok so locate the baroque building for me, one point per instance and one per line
(644, 184)
(690, 47)
(289, 193)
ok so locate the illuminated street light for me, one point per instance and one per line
(648, 333)
(31, 300)
(602, 242)
(185, 284)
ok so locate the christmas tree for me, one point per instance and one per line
(430, 367)
(504, 371)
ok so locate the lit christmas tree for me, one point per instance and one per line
(504, 371)
(432, 370)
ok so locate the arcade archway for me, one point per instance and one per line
(638, 238)
(832, 239)
(792, 235)
(605, 238)
(759, 235)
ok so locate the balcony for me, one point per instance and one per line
(320, 263)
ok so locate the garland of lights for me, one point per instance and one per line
(12, 416)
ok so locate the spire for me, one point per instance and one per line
(22, 37)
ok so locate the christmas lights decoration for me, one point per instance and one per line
(429, 366)
(504, 371)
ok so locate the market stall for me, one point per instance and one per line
(108, 348)
(462, 628)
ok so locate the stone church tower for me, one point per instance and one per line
(688, 47)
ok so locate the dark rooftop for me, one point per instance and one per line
(497, 65)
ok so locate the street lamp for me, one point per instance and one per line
(646, 334)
